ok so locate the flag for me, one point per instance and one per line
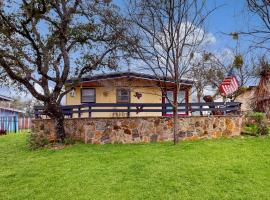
(230, 84)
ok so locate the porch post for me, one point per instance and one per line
(90, 113)
(187, 101)
(163, 101)
(175, 114)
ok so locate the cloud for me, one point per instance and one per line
(210, 39)
(198, 37)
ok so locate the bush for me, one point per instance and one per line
(257, 117)
(264, 130)
(36, 141)
(256, 124)
(252, 130)
(69, 141)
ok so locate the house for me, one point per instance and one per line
(128, 107)
(247, 98)
(124, 88)
(9, 117)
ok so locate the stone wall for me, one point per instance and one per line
(141, 129)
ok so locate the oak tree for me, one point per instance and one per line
(43, 43)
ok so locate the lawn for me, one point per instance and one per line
(236, 168)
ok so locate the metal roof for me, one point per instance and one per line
(130, 75)
(6, 98)
(12, 109)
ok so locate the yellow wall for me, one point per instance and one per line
(106, 93)
(149, 95)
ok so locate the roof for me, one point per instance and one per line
(130, 75)
(6, 98)
(12, 109)
(251, 87)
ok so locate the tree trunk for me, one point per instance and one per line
(175, 124)
(54, 111)
(199, 101)
(59, 128)
(175, 115)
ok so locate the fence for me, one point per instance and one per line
(25, 123)
(222, 108)
(9, 124)
(14, 124)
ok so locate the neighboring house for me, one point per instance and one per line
(126, 87)
(246, 98)
(9, 117)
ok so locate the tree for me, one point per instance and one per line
(170, 33)
(262, 93)
(210, 70)
(44, 43)
(261, 9)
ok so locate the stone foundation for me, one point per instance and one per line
(141, 129)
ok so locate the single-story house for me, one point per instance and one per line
(126, 87)
(9, 117)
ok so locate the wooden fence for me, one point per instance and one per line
(25, 123)
(220, 107)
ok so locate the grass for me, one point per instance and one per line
(209, 169)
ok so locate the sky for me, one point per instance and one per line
(230, 16)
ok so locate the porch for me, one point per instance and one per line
(87, 110)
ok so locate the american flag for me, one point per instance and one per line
(229, 85)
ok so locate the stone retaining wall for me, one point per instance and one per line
(141, 129)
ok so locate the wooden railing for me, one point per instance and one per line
(221, 107)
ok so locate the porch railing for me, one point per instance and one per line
(164, 108)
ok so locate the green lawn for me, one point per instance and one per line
(209, 169)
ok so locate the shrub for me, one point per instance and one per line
(256, 124)
(252, 130)
(257, 117)
(69, 140)
(264, 130)
(36, 141)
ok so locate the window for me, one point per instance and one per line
(88, 95)
(123, 96)
(181, 98)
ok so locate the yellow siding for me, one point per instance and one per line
(104, 95)
(149, 95)
(107, 94)
(76, 100)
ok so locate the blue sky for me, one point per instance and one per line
(229, 17)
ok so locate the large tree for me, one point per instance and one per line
(45, 42)
(170, 33)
